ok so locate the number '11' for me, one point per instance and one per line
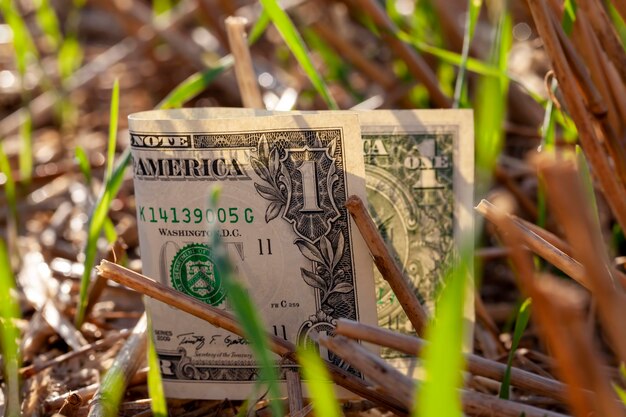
(265, 247)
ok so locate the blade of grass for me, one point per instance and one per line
(23, 44)
(26, 149)
(618, 22)
(548, 143)
(491, 107)
(158, 403)
(114, 115)
(585, 176)
(83, 164)
(247, 314)
(299, 50)
(9, 184)
(195, 84)
(320, 386)
(48, 22)
(113, 181)
(460, 90)
(523, 315)
(443, 355)
(569, 15)
(9, 312)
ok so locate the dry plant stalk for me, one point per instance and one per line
(125, 366)
(394, 383)
(226, 321)
(546, 245)
(387, 265)
(579, 364)
(475, 364)
(244, 70)
(565, 191)
(592, 133)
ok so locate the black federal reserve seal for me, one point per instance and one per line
(193, 272)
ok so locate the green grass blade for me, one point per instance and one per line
(23, 44)
(195, 84)
(585, 176)
(443, 357)
(9, 184)
(320, 386)
(618, 22)
(70, 56)
(26, 149)
(161, 6)
(9, 312)
(523, 315)
(114, 114)
(247, 314)
(96, 223)
(48, 22)
(83, 164)
(295, 43)
(490, 108)
(569, 16)
(460, 90)
(259, 27)
(155, 384)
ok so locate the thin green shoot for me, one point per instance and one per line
(259, 28)
(443, 357)
(523, 316)
(198, 82)
(585, 176)
(70, 56)
(569, 16)
(9, 184)
(23, 44)
(9, 313)
(618, 22)
(195, 84)
(114, 115)
(158, 402)
(26, 149)
(48, 22)
(161, 6)
(548, 144)
(246, 313)
(460, 89)
(491, 107)
(318, 382)
(83, 164)
(298, 48)
(96, 222)
(99, 216)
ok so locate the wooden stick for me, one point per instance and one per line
(228, 322)
(118, 376)
(415, 64)
(387, 265)
(403, 387)
(244, 71)
(475, 364)
(294, 391)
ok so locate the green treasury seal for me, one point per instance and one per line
(193, 272)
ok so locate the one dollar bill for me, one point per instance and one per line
(284, 182)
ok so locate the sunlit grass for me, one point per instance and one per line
(320, 386)
(9, 313)
(443, 358)
(155, 385)
(460, 89)
(523, 316)
(297, 47)
(99, 216)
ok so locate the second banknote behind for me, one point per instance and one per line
(419, 168)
